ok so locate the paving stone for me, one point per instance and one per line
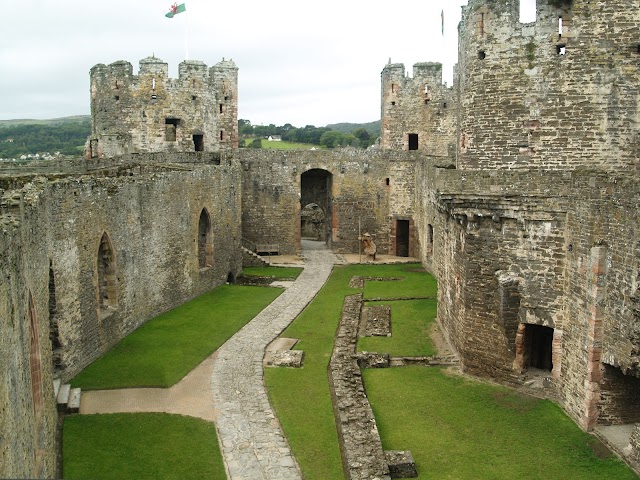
(239, 395)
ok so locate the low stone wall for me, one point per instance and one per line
(633, 450)
(360, 445)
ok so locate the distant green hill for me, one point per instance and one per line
(50, 121)
(65, 135)
(372, 127)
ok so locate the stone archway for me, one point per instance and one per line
(315, 196)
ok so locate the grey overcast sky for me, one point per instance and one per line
(304, 63)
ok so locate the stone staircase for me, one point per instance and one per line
(252, 259)
(67, 398)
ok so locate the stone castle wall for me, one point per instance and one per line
(532, 97)
(53, 221)
(28, 419)
(150, 112)
(373, 187)
(537, 248)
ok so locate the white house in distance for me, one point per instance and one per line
(274, 138)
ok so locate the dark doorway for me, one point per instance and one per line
(198, 143)
(538, 347)
(402, 238)
(413, 141)
(315, 189)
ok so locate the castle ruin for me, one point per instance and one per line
(517, 187)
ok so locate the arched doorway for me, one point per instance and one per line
(315, 205)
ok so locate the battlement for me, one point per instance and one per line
(151, 112)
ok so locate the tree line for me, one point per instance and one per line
(361, 136)
(68, 138)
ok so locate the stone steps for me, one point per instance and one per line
(67, 398)
(254, 256)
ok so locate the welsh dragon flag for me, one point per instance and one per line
(175, 9)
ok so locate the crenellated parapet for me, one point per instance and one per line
(151, 112)
(418, 110)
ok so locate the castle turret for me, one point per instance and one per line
(151, 112)
(417, 112)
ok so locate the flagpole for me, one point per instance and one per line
(186, 35)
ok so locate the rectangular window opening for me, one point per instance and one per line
(559, 26)
(561, 50)
(170, 129)
(387, 181)
(221, 135)
(413, 141)
(198, 142)
(221, 109)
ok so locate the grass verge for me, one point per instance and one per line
(141, 446)
(458, 428)
(275, 272)
(411, 322)
(167, 347)
(301, 397)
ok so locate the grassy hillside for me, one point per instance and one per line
(22, 137)
(372, 127)
(50, 121)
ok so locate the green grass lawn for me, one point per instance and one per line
(141, 446)
(309, 425)
(166, 348)
(457, 429)
(275, 272)
(415, 283)
(411, 322)
(266, 144)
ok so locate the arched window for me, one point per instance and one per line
(106, 275)
(205, 246)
